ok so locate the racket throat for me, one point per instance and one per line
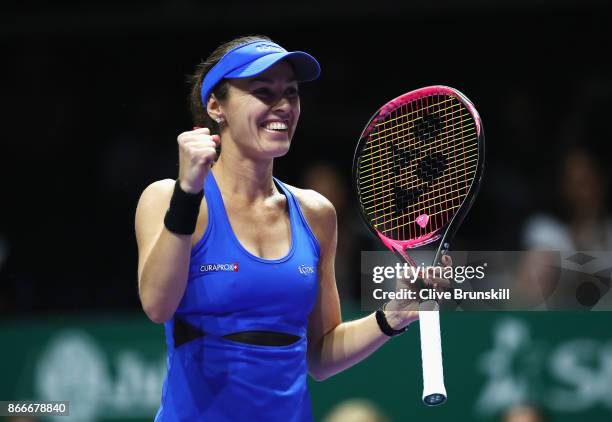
(397, 246)
(400, 246)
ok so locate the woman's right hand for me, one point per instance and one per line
(197, 152)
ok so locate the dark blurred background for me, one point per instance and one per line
(94, 96)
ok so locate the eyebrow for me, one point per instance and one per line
(269, 81)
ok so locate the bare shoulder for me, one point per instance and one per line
(159, 188)
(151, 209)
(152, 203)
(156, 195)
(318, 210)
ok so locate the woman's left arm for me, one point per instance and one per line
(333, 345)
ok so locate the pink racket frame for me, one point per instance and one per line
(400, 246)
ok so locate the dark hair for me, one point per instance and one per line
(199, 115)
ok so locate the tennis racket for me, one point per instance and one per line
(416, 171)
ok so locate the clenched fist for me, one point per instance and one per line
(197, 152)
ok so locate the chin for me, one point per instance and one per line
(273, 148)
(278, 152)
(282, 153)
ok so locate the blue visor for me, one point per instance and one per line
(255, 57)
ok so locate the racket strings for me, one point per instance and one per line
(411, 140)
(404, 140)
(431, 190)
(405, 123)
(430, 202)
(469, 129)
(403, 225)
(436, 147)
(413, 175)
(380, 178)
(425, 208)
(376, 181)
(452, 100)
(398, 185)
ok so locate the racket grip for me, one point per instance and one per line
(434, 392)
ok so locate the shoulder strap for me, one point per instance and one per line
(297, 216)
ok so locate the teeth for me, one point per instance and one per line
(276, 125)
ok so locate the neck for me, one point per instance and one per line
(244, 177)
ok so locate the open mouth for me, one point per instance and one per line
(276, 126)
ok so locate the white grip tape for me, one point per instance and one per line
(431, 353)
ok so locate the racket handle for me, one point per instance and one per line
(434, 392)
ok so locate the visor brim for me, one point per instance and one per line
(305, 66)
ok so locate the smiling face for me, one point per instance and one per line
(262, 112)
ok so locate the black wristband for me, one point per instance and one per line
(381, 319)
(182, 215)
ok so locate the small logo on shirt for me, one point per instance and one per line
(211, 268)
(306, 269)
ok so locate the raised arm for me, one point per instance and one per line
(163, 254)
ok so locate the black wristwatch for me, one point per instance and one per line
(381, 319)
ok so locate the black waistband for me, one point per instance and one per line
(263, 338)
(185, 332)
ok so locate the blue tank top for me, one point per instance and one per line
(230, 290)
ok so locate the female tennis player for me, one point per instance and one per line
(240, 266)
